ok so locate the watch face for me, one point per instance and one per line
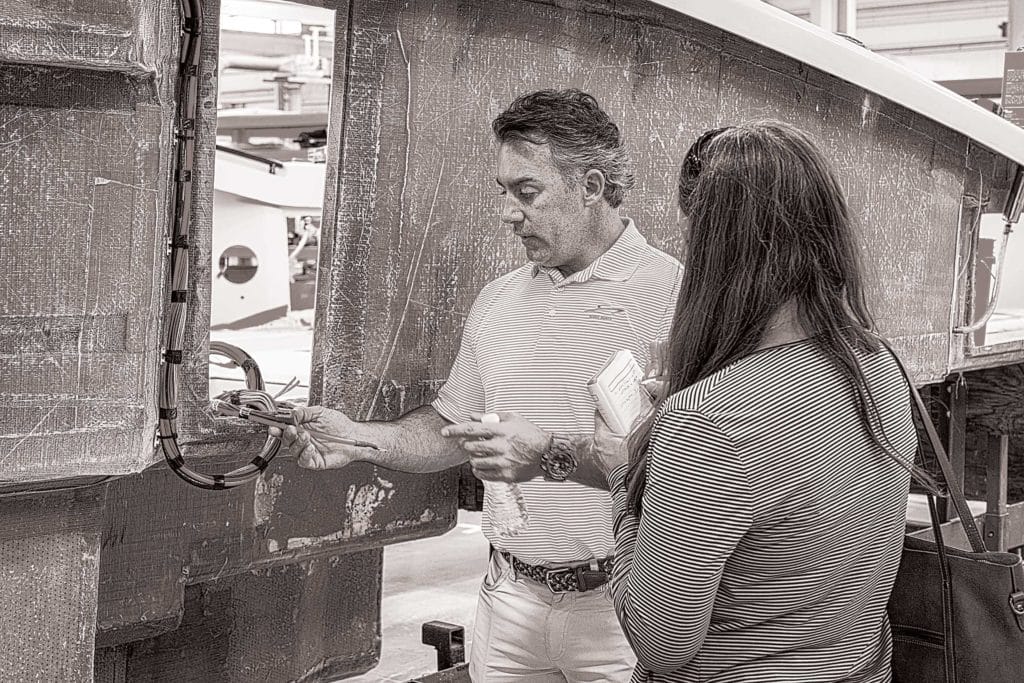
(558, 462)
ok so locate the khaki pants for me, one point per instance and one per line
(524, 632)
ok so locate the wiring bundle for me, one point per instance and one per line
(254, 397)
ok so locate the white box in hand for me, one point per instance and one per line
(618, 393)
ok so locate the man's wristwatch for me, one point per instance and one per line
(559, 460)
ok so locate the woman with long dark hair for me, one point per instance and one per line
(760, 514)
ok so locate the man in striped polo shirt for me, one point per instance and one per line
(531, 341)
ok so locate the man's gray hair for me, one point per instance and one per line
(579, 133)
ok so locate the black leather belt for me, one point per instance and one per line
(579, 577)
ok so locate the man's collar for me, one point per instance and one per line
(617, 264)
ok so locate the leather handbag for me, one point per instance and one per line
(956, 615)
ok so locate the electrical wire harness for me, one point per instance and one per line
(236, 403)
(253, 397)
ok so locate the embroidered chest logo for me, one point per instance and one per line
(607, 312)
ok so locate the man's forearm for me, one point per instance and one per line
(412, 443)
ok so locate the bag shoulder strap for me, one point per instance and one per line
(963, 511)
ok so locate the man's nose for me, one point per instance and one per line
(510, 211)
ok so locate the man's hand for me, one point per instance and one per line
(508, 450)
(655, 379)
(609, 449)
(312, 441)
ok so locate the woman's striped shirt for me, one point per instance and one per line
(771, 528)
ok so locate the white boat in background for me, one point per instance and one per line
(258, 202)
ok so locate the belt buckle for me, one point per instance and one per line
(551, 574)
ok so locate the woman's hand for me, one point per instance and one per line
(656, 376)
(609, 449)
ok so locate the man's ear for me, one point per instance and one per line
(593, 187)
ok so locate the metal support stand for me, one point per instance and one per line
(953, 422)
(996, 513)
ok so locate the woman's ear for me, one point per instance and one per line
(593, 187)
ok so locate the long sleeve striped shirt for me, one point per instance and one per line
(771, 526)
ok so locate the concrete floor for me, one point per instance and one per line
(426, 580)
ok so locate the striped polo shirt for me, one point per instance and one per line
(772, 525)
(532, 340)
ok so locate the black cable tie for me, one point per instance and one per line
(179, 242)
(168, 413)
(165, 437)
(179, 296)
(219, 482)
(184, 176)
(190, 25)
(260, 462)
(186, 130)
(248, 364)
(173, 356)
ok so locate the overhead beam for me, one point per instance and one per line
(975, 87)
(301, 12)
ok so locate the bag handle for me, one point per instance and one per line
(963, 510)
(948, 632)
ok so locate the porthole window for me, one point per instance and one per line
(238, 264)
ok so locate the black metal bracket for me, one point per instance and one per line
(448, 639)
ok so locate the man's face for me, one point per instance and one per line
(546, 213)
